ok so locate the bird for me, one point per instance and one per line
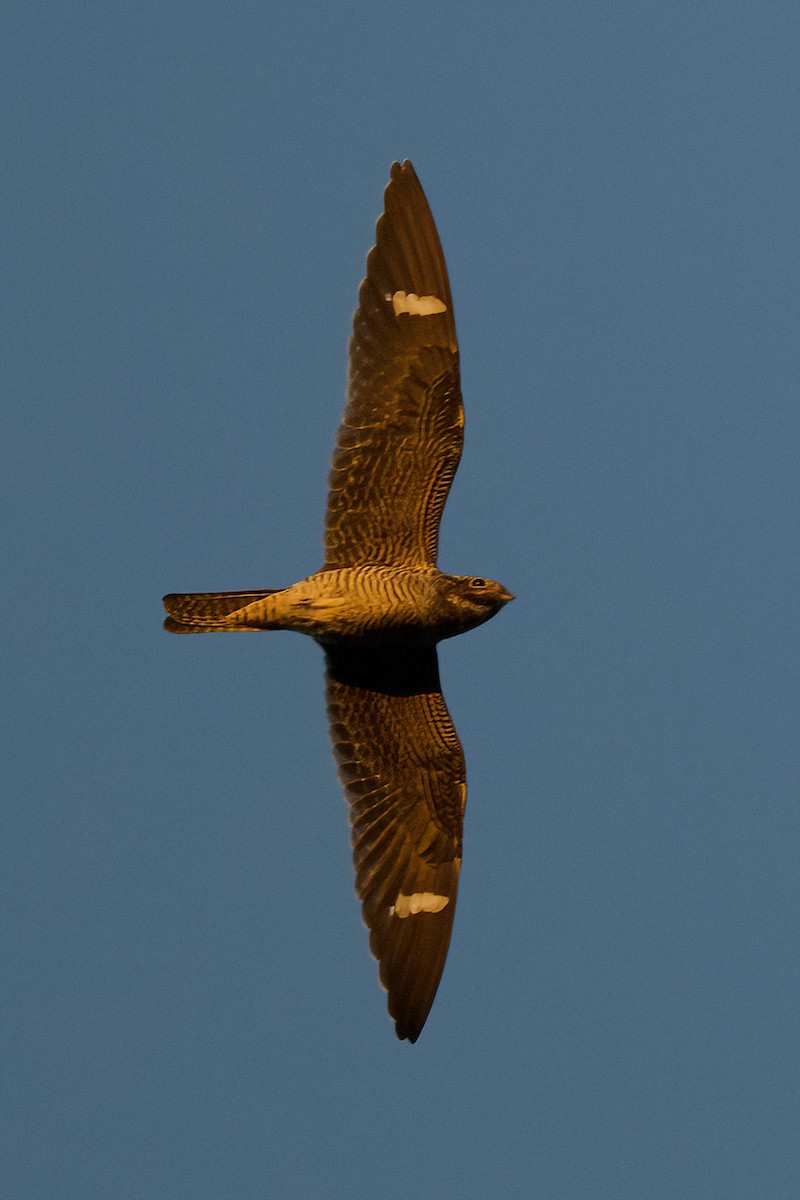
(379, 605)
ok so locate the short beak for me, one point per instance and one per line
(506, 596)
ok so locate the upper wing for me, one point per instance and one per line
(400, 440)
(402, 768)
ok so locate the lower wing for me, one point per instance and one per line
(402, 768)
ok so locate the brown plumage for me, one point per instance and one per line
(400, 440)
(379, 605)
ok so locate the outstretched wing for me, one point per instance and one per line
(400, 440)
(402, 768)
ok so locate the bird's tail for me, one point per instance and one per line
(205, 612)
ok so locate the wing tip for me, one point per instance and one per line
(407, 1033)
(402, 173)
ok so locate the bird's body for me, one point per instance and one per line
(379, 604)
(364, 605)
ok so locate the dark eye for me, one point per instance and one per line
(477, 582)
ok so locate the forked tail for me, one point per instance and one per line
(205, 612)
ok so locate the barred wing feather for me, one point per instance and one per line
(400, 440)
(401, 764)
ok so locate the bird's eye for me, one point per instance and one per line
(477, 582)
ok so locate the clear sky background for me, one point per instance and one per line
(189, 194)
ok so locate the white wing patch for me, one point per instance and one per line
(416, 306)
(408, 906)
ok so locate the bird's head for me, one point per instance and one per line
(475, 599)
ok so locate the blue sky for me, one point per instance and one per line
(190, 191)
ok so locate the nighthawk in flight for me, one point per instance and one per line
(378, 605)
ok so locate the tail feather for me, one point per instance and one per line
(204, 612)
